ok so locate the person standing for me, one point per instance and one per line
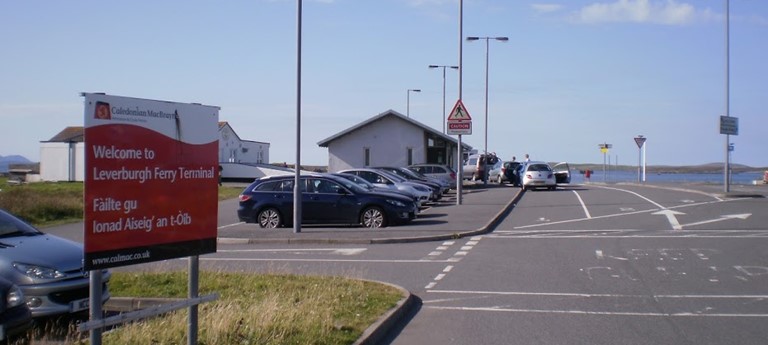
(527, 158)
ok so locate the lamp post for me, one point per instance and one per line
(408, 102)
(487, 39)
(443, 67)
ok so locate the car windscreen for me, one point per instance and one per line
(12, 226)
(539, 167)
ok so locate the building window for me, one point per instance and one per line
(409, 157)
(367, 153)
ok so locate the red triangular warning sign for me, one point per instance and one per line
(459, 113)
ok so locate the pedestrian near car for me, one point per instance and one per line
(527, 158)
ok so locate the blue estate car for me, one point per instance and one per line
(326, 199)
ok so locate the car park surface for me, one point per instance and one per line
(47, 268)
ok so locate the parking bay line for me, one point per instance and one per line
(326, 260)
(588, 312)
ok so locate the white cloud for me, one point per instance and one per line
(546, 8)
(667, 12)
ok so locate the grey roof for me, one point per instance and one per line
(325, 142)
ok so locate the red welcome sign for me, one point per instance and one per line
(151, 182)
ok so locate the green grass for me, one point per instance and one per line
(256, 309)
(52, 203)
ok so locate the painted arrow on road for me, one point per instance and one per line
(671, 217)
(742, 216)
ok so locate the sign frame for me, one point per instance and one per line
(459, 121)
(729, 125)
(151, 180)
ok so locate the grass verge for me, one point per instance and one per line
(52, 203)
(257, 309)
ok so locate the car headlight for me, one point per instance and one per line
(38, 272)
(15, 297)
(397, 203)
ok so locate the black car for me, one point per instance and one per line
(410, 175)
(15, 317)
(326, 199)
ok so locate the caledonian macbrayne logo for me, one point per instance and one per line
(102, 111)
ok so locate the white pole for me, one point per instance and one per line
(459, 153)
(726, 171)
(297, 176)
(645, 162)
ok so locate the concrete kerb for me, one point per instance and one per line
(482, 230)
(376, 332)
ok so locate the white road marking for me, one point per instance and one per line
(229, 225)
(742, 216)
(583, 205)
(592, 295)
(460, 253)
(430, 285)
(635, 194)
(671, 217)
(448, 268)
(587, 312)
(206, 258)
(618, 214)
(435, 253)
(467, 248)
(440, 277)
(599, 254)
(340, 251)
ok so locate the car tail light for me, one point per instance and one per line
(243, 197)
(529, 176)
(453, 175)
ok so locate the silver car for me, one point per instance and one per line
(384, 179)
(437, 171)
(48, 269)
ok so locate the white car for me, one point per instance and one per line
(537, 175)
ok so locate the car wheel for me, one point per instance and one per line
(552, 187)
(269, 218)
(373, 217)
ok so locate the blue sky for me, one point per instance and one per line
(574, 74)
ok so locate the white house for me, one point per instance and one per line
(389, 138)
(62, 158)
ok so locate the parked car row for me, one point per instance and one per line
(40, 275)
(371, 197)
(531, 175)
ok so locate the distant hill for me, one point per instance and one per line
(671, 169)
(13, 159)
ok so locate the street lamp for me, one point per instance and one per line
(487, 39)
(444, 67)
(408, 102)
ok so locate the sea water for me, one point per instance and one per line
(631, 176)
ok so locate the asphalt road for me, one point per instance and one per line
(592, 264)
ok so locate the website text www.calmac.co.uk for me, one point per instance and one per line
(121, 258)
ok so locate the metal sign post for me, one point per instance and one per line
(639, 140)
(604, 149)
